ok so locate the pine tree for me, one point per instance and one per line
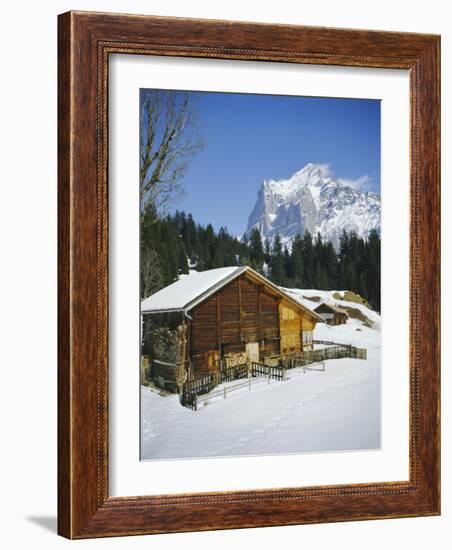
(182, 258)
(344, 255)
(288, 271)
(219, 255)
(256, 253)
(297, 262)
(350, 279)
(166, 245)
(308, 260)
(374, 269)
(362, 287)
(189, 235)
(330, 266)
(244, 251)
(277, 265)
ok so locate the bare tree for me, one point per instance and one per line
(151, 272)
(168, 140)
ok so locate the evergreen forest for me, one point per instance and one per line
(172, 244)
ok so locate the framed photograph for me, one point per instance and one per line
(248, 275)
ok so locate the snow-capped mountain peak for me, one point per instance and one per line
(312, 201)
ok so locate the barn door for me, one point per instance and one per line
(252, 350)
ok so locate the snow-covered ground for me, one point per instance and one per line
(335, 410)
(328, 297)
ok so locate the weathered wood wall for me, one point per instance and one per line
(220, 327)
(293, 322)
(240, 312)
(290, 327)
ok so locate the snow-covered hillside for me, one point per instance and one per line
(311, 298)
(316, 411)
(310, 201)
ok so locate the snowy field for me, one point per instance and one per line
(335, 410)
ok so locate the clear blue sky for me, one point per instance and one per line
(250, 137)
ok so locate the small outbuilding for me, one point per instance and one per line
(331, 314)
(211, 320)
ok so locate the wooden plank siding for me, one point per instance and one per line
(293, 322)
(240, 312)
(217, 330)
(269, 325)
(308, 323)
(204, 337)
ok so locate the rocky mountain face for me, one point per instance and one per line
(308, 201)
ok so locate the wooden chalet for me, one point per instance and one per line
(332, 315)
(215, 319)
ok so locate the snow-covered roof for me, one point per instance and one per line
(327, 315)
(189, 288)
(332, 307)
(192, 289)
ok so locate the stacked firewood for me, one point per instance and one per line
(234, 359)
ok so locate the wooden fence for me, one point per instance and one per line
(319, 367)
(353, 352)
(205, 384)
(333, 351)
(198, 386)
(225, 391)
(234, 373)
(254, 375)
(260, 369)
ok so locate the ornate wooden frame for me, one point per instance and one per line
(85, 42)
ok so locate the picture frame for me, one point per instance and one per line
(86, 40)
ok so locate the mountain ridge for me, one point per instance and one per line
(310, 201)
